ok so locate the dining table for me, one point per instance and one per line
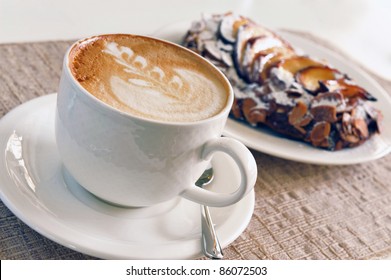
(301, 209)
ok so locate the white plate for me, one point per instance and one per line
(271, 143)
(33, 187)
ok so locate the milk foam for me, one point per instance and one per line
(148, 78)
(149, 91)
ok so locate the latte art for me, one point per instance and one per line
(148, 78)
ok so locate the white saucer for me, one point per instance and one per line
(32, 186)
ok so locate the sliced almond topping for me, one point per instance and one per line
(320, 132)
(339, 145)
(298, 112)
(350, 138)
(252, 114)
(333, 98)
(362, 127)
(236, 108)
(257, 115)
(302, 130)
(325, 113)
(306, 120)
(247, 105)
(325, 143)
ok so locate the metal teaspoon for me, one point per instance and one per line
(210, 242)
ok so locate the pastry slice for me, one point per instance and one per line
(295, 95)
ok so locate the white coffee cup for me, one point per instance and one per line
(133, 161)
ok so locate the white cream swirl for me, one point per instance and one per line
(163, 91)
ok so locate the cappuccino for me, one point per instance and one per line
(148, 78)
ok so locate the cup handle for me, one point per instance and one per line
(247, 167)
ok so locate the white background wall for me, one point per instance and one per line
(361, 28)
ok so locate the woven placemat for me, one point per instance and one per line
(302, 211)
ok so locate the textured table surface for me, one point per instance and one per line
(302, 211)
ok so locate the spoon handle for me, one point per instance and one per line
(210, 243)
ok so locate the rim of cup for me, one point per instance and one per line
(88, 97)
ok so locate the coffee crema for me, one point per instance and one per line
(148, 78)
